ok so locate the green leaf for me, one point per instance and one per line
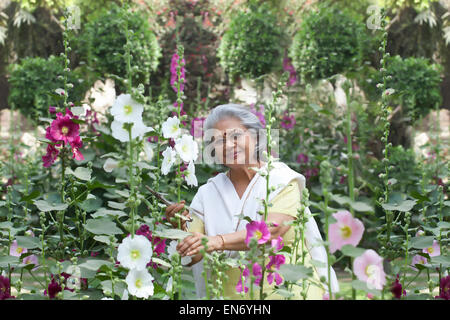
(95, 264)
(83, 173)
(352, 251)
(29, 242)
(44, 206)
(103, 212)
(421, 242)
(171, 234)
(360, 285)
(117, 205)
(11, 260)
(294, 272)
(404, 206)
(444, 260)
(102, 239)
(361, 206)
(34, 194)
(90, 204)
(421, 198)
(102, 226)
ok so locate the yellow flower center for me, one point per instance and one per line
(258, 234)
(370, 270)
(430, 250)
(135, 254)
(64, 130)
(346, 232)
(138, 283)
(185, 148)
(19, 250)
(128, 109)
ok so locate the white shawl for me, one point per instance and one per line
(220, 203)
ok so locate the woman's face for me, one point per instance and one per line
(234, 144)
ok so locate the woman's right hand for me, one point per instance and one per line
(174, 208)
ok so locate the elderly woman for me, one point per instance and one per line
(237, 143)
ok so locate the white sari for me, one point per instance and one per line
(221, 205)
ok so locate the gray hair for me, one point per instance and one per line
(249, 120)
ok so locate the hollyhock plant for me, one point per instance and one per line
(51, 156)
(288, 121)
(135, 253)
(159, 244)
(257, 230)
(16, 250)
(110, 165)
(140, 283)
(5, 288)
(169, 159)
(418, 259)
(174, 75)
(302, 158)
(396, 288)
(287, 66)
(444, 288)
(368, 267)
(53, 288)
(257, 273)
(172, 249)
(434, 250)
(190, 177)
(347, 230)
(32, 259)
(277, 244)
(137, 130)
(171, 128)
(64, 129)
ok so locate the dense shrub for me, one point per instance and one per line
(251, 45)
(101, 44)
(330, 41)
(33, 79)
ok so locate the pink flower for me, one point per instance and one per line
(274, 265)
(302, 158)
(51, 156)
(63, 128)
(197, 127)
(369, 268)
(434, 250)
(418, 259)
(53, 288)
(287, 66)
(347, 230)
(288, 121)
(15, 250)
(257, 272)
(52, 109)
(5, 288)
(257, 230)
(32, 259)
(277, 244)
(76, 144)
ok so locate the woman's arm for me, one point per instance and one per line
(231, 241)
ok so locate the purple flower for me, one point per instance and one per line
(174, 74)
(444, 288)
(302, 158)
(274, 265)
(288, 121)
(52, 109)
(53, 288)
(5, 288)
(257, 230)
(259, 114)
(396, 288)
(287, 66)
(51, 156)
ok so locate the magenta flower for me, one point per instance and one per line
(347, 230)
(288, 121)
(51, 156)
(76, 144)
(174, 75)
(396, 288)
(274, 265)
(63, 128)
(5, 288)
(302, 158)
(257, 272)
(257, 230)
(434, 250)
(287, 66)
(15, 250)
(53, 288)
(444, 288)
(159, 245)
(368, 267)
(52, 109)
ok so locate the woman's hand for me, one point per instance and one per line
(174, 208)
(192, 245)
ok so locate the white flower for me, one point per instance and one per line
(110, 165)
(125, 109)
(140, 283)
(135, 253)
(169, 159)
(187, 148)
(171, 128)
(137, 130)
(340, 97)
(60, 91)
(189, 173)
(172, 249)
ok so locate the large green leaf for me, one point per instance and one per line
(294, 272)
(421, 242)
(90, 204)
(102, 226)
(81, 173)
(403, 206)
(29, 242)
(11, 260)
(45, 206)
(352, 251)
(444, 260)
